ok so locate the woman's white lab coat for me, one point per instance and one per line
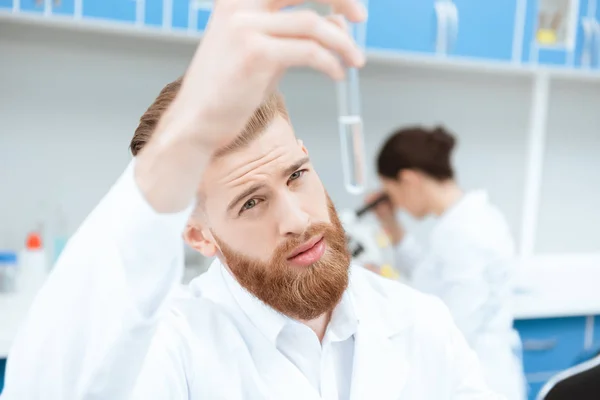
(469, 264)
(109, 324)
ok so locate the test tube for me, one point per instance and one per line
(350, 123)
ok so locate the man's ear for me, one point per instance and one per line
(200, 239)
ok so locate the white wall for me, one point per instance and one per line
(69, 104)
(570, 212)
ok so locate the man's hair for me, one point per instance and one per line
(262, 117)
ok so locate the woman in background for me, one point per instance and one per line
(470, 255)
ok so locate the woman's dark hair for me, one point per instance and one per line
(426, 150)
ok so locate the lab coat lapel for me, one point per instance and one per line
(282, 378)
(381, 366)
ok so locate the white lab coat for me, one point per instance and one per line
(111, 323)
(469, 265)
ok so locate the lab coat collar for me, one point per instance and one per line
(278, 374)
(343, 322)
(380, 367)
(266, 319)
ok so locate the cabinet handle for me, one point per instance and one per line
(140, 12)
(452, 14)
(596, 44)
(447, 25)
(588, 36)
(539, 344)
(441, 37)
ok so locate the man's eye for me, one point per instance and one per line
(296, 175)
(249, 204)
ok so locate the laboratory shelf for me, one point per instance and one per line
(374, 55)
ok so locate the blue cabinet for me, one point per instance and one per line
(31, 6)
(63, 7)
(202, 19)
(596, 336)
(190, 15)
(2, 371)
(551, 344)
(595, 43)
(485, 29)
(154, 13)
(181, 10)
(407, 25)
(531, 31)
(114, 10)
(533, 388)
(554, 35)
(60, 7)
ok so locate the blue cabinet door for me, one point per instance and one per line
(485, 29)
(63, 7)
(202, 19)
(596, 40)
(596, 337)
(404, 25)
(533, 388)
(60, 7)
(35, 6)
(2, 372)
(547, 32)
(181, 9)
(190, 18)
(155, 12)
(551, 344)
(114, 10)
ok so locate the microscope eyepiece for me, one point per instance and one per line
(369, 206)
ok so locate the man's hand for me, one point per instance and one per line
(247, 47)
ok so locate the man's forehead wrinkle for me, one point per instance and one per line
(240, 171)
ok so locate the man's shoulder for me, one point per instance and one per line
(194, 317)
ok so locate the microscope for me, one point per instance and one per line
(367, 242)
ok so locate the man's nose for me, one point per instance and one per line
(293, 220)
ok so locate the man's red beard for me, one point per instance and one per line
(299, 292)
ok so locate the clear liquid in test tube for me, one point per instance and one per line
(350, 123)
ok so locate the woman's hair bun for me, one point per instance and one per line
(443, 138)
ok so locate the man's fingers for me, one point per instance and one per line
(338, 20)
(291, 52)
(306, 24)
(353, 10)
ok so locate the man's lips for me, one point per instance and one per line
(309, 253)
(306, 246)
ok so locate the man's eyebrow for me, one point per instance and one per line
(252, 189)
(255, 188)
(294, 167)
